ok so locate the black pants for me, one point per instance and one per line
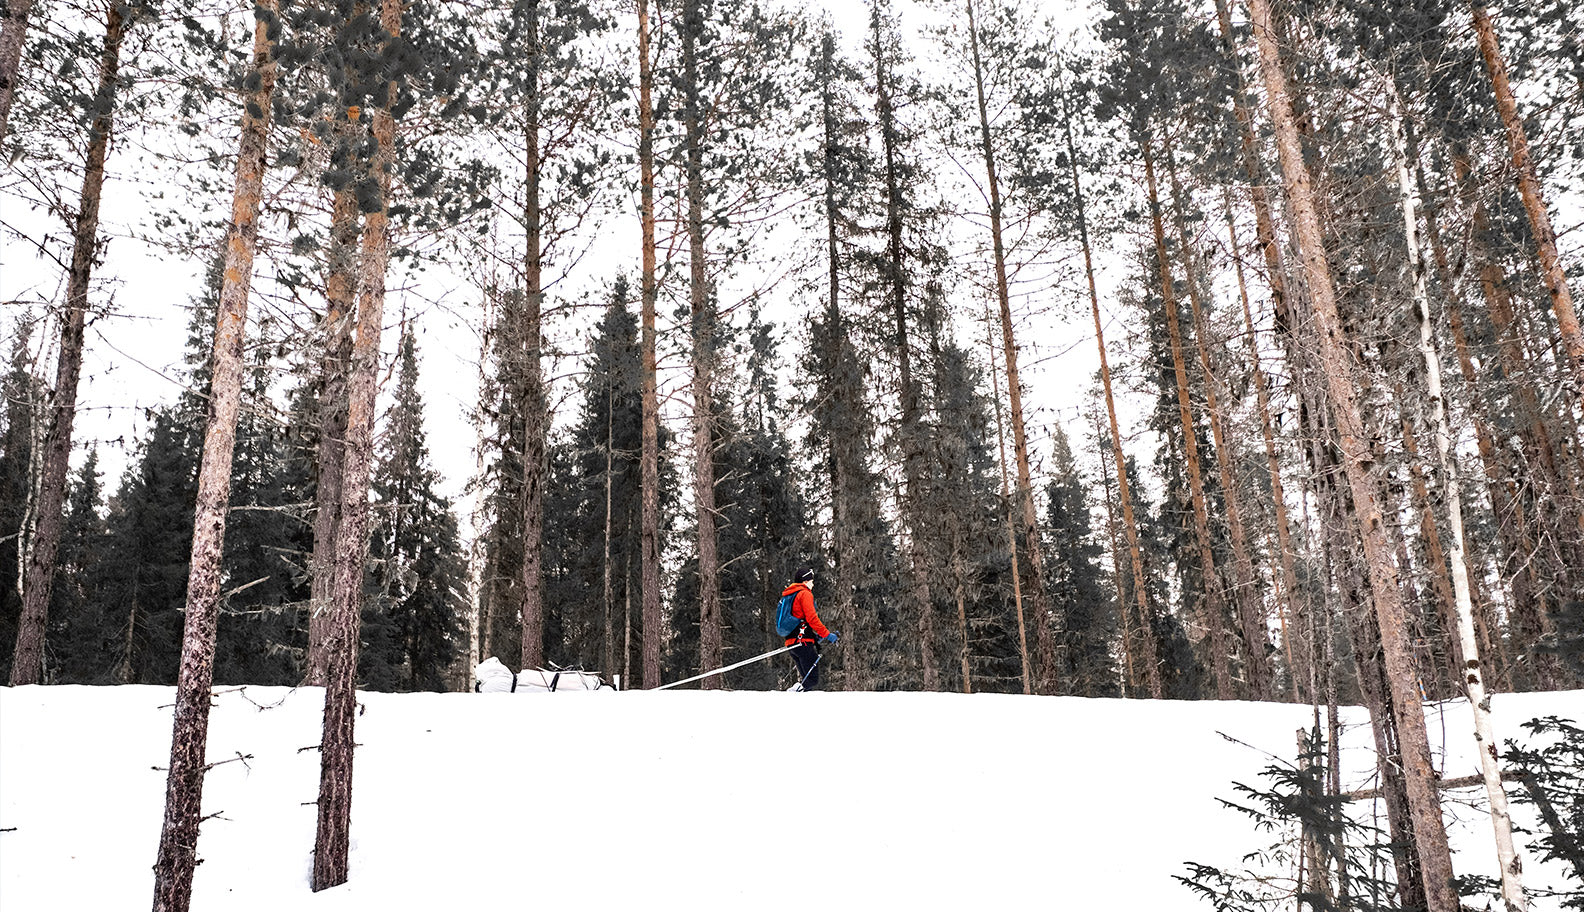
(806, 655)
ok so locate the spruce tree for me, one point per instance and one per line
(418, 571)
(1088, 615)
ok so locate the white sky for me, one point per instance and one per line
(134, 353)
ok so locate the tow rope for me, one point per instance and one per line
(717, 671)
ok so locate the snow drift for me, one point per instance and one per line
(672, 800)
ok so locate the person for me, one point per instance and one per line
(810, 633)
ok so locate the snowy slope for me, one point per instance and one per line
(674, 800)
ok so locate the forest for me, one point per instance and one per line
(750, 286)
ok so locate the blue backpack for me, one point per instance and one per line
(786, 623)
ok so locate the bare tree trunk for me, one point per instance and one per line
(1529, 188)
(912, 431)
(1286, 578)
(535, 420)
(178, 846)
(1011, 519)
(857, 672)
(1044, 640)
(608, 656)
(711, 646)
(27, 664)
(1424, 803)
(1473, 676)
(12, 39)
(649, 534)
(1210, 598)
(1246, 601)
(1149, 650)
(340, 301)
(1130, 677)
(333, 834)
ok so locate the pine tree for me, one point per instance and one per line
(28, 661)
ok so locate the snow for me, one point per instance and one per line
(675, 800)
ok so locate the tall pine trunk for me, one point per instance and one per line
(1038, 594)
(702, 311)
(340, 307)
(912, 431)
(333, 834)
(27, 664)
(533, 404)
(1246, 601)
(1551, 270)
(1286, 578)
(1211, 610)
(13, 36)
(178, 846)
(1149, 648)
(649, 527)
(1358, 461)
(1011, 516)
(856, 672)
(1473, 678)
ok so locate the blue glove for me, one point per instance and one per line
(831, 639)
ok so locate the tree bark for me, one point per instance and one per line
(1473, 674)
(333, 834)
(535, 420)
(649, 534)
(12, 39)
(1044, 640)
(178, 846)
(895, 279)
(711, 649)
(1286, 578)
(1211, 610)
(1246, 601)
(1149, 649)
(1011, 518)
(27, 664)
(340, 307)
(1533, 197)
(856, 673)
(1424, 804)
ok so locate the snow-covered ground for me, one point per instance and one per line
(675, 800)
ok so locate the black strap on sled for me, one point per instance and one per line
(514, 682)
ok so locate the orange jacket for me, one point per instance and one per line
(803, 609)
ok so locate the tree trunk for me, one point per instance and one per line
(333, 834)
(847, 570)
(1286, 578)
(1150, 652)
(1211, 610)
(27, 664)
(1011, 518)
(535, 420)
(895, 279)
(1246, 600)
(649, 534)
(1038, 595)
(711, 647)
(12, 39)
(178, 846)
(608, 655)
(1429, 829)
(1472, 674)
(340, 306)
(1529, 188)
